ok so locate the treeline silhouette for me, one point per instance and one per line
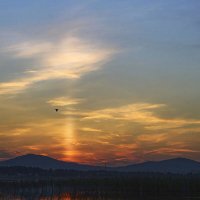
(22, 181)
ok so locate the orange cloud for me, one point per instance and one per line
(152, 138)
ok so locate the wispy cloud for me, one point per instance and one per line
(88, 129)
(142, 113)
(64, 101)
(129, 112)
(155, 138)
(29, 49)
(69, 58)
(171, 151)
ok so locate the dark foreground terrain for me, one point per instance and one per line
(35, 183)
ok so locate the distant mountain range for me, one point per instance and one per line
(45, 162)
(176, 165)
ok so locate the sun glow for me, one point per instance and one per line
(69, 139)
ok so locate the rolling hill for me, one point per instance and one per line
(176, 165)
(45, 162)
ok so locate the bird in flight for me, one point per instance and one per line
(56, 109)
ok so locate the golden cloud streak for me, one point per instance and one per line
(64, 101)
(152, 138)
(171, 151)
(88, 129)
(142, 113)
(70, 58)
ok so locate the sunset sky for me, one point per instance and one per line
(125, 75)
